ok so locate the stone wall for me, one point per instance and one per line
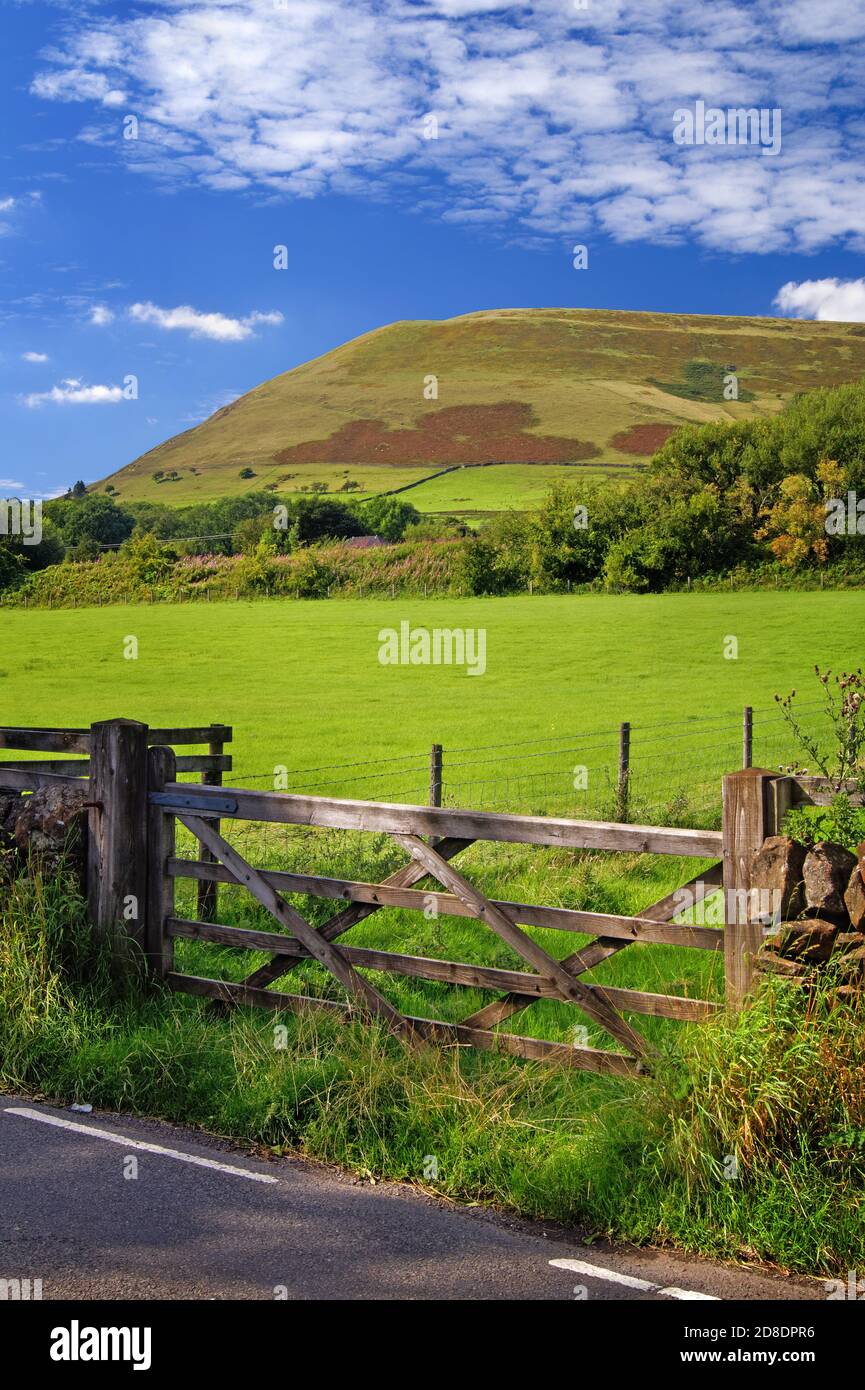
(818, 905)
(44, 829)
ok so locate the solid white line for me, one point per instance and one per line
(128, 1143)
(673, 1292)
(612, 1276)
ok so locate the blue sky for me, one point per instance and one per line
(305, 124)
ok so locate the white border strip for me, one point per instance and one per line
(128, 1143)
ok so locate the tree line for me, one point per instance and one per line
(785, 492)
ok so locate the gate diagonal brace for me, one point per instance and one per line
(664, 910)
(586, 959)
(327, 955)
(592, 1001)
(406, 877)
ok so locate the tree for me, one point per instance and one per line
(497, 560)
(149, 559)
(575, 527)
(11, 566)
(321, 518)
(795, 524)
(387, 517)
(94, 518)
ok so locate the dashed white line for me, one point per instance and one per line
(127, 1143)
(629, 1281)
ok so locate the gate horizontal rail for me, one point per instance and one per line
(396, 818)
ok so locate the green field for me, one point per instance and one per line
(491, 488)
(302, 685)
(503, 486)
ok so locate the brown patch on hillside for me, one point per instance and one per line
(642, 439)
(453, 434)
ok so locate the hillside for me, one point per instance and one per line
(523, 389)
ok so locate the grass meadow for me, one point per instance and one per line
(504, 486)
(301, 684)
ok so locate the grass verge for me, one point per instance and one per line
(747, 1142)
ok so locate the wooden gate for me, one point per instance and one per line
(135, 802)
(429, 878)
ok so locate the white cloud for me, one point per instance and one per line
(841, 301)
(73, 392)
(218, 327)
(34, 356)
(553, 117)
(101, 315)
(6, 204)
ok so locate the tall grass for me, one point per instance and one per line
(780, 1091)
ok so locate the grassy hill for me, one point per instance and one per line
(529, 393)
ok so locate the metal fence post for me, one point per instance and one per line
(747, 737)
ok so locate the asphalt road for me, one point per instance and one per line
(204, 1220)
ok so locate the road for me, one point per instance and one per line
(108, 1206)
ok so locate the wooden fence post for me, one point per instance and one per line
(208, 892)
(747, 737)
(117, 842)
(435, 775)
(748, 819)
(435, 781)
(161, 768)
(623, 790)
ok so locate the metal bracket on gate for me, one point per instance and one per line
(215, 806)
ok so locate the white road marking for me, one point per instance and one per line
(128, 1143)
(612, 1276)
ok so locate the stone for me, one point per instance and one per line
(854, 900)
(776, 871)
(826, 872)
(850, 939)
(774, 964)
(51, 828)
(850, 964)
(809, 941)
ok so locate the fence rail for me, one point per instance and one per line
(33, 773)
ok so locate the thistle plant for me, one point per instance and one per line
(845, 713)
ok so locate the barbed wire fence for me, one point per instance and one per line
(666, 773)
